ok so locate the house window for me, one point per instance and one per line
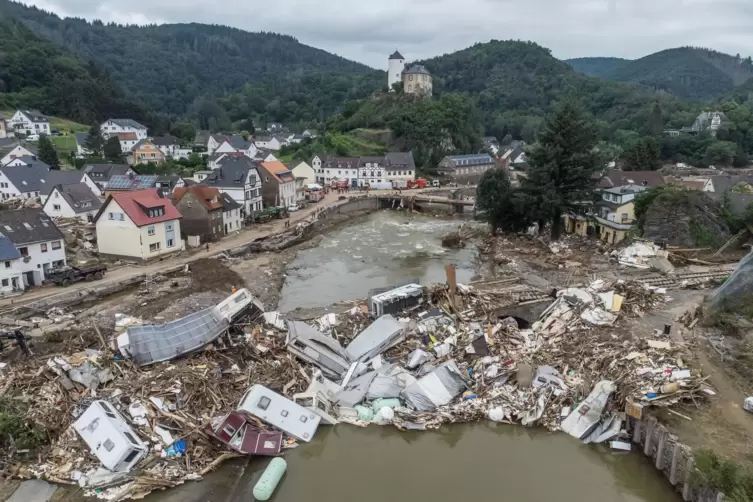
(153, 248)
(56, 207)
(150, 230)
(43, 246)
(110, 216)
(24, 251)
(56, 245)
(170, 243)
(5, 282)
(624, 216)
(168, 226)
(57, 195)
(410, 77)
(7, 264)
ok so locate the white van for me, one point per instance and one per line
(435, 183)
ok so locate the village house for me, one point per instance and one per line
(169, 182)
(399, 167)
(491, 144)
(268, 142)
(128, 140)
(57, 177)
(39, 245)
(139, 225)
(414, 80)
(615, 214)
(466, 166)
(72, 201)
(18, 151)
(232, 217)
(102, 173)
(81, 149)
(342, 169)
(29, 122)
(23, 177)
(723, 183)
(238, 176)
(278, 184)
(304, 170)
(236, 144)
(515, 158)
(130, 183)
(370, 170)
(614, 179)
(691, 183)
(264, 155)
(113, 127)
(201, 208)
(3, 127)
(146, 152)
(310, 133)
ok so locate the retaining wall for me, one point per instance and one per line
(673, 459)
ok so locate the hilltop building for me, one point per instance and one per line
(415, 80)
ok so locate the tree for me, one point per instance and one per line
(643, 155)
(112, 150)
(721, 153)
(94, 141)
(183, 130)
(47, 152)
(655, 124)
(504, 208)
(562, 165)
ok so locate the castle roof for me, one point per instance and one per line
(417, 69)
(396, 55)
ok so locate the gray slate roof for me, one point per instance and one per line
(61, 178)
(737, 202)
(396, 55)
(29, 178)
(127, 123)
(416, 69)
(7, 250)
(228, 203)
(81, 138)
(35, 115)
(79, 196)
(166, 140)
(394, 161)
(103, 172)
(238, 142)
(27, 226)
(231, 173)
(470, 160)
(724, 182)
(201, 138)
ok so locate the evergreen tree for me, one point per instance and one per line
(655, 124)
(112, 149)
(643, 155)
(504, 208)
(47, 152)
(562, 165)
(94, 141)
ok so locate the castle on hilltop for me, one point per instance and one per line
(414, 80)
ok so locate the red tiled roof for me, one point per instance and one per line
(137, 204)
(278, 170)
(204, 193)
(126, 136)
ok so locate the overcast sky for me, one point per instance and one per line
(369, 31)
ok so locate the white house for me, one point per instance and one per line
(268, 142)
(238, 176)
(23, 177)
(81, 149)
(330, 169)
(55, 178)
(115, 126)
(102, 173)
(371, 170)
(139, 225)
(16, 152)
(232, 218)
(39, 244)
(303, 170)
(72, 201)
(29, 122)
(399, 166)
(127, 140)
(171, 147)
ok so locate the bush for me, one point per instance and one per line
(16, 433)
(732, 479)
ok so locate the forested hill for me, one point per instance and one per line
(36, 74)
(596, 67)
(169, 66)
(516, 83)
(688, 72)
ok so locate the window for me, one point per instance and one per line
(153, 248)
(57, 195)
(131, 456)
(264, 403)
(284, 413)
(43, 246)
(157, 211)
(5, 282)
(410, 77)
(130, 438)
(24, 251)
(150, 230)
(108, 444)
(624, 216)
(304, 419)
(170, 243)
(229, 430)
(168, 226)
(56, 207)
(108, 410)
(7, 264)
(110, 216)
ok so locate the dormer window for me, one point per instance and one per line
(157, 211)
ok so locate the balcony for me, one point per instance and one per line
(627, 225)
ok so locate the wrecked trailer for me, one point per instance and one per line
(152, 343)
(392, 301)
(384, 333)
(316, 348)
(279, 411)
(240, 434)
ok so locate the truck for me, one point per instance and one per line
(69, 275)
(417, 183)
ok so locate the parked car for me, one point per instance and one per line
(435, 183)
(32, 137)
(293, 208)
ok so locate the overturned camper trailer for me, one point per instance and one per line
(384, 333)
(389, 301)
(319, 404)
(239, 434)
(153, 343)
(316, 348)
(110, 437)
(279, 411)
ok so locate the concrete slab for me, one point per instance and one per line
(34, 489)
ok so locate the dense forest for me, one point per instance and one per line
(688, 72)
(170, 66)
(36, 74)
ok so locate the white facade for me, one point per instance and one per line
(371, 172)
(395, 69)
(232, 220)
(29, 270)
(56, 206)
(127, 144)
(249, 196)
(287, 193)
(270, 144)
(404, 175)
(21, 122)
(303, 170)
(111, 126)
(8, 190)
(118, 235)
(18, 151)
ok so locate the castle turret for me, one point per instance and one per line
(395, 70)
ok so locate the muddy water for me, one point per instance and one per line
(478, 462)
(378, 250)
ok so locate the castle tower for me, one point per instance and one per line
(395, 68)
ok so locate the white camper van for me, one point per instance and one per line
(110, 438)
(279, 411)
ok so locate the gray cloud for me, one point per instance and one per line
(369, 31)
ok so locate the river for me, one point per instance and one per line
(458, 462)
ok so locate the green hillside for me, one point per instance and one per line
(596, 67)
